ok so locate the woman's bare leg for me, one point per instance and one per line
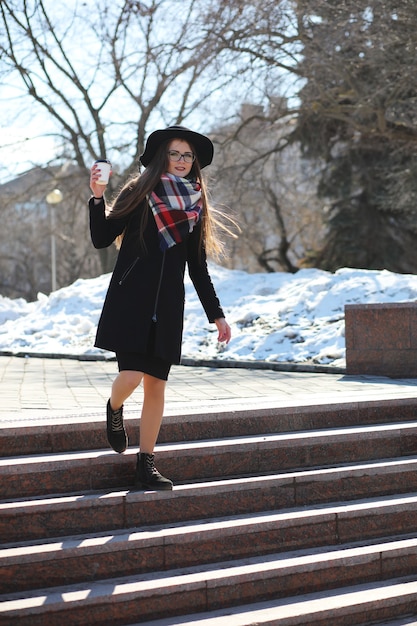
(152, 412)
(146, 475)
(123, 387)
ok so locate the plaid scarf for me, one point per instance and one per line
(176, 206)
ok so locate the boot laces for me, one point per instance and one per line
(150, 465)
(117, 420)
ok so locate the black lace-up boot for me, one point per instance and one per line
(147, 476)
(116, 433)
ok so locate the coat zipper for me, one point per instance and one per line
(127, 272)
(154, 316)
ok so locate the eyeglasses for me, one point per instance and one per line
(174, 155)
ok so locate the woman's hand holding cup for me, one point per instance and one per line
(99, 177)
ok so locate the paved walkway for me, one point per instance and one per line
(38, 389)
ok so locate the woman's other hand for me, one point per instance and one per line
(225, 332)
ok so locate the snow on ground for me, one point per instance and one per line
(279, 317)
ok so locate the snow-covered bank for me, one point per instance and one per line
(294, 318)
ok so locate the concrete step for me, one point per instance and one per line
(204, 587)
(67, 560)
(203, 460)
(359, 605)
(89, 433)
(404, 621)
(292, 507)
(100, 511)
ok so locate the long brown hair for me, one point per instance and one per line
(136, 190)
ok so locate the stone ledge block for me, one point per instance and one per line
(381, 339)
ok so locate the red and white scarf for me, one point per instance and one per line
(176, 206)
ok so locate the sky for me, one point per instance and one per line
(278, 317)
(21, 149)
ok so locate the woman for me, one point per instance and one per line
(163, 221)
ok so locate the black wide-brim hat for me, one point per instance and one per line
(202, 145)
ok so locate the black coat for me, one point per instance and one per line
(147, 287)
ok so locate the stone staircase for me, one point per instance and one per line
(300, 516)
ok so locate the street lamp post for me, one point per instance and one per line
(54, 197)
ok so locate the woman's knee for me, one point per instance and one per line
(130, 379)
(153, 385)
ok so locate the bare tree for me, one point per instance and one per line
(100, 75)
(110, 69)
(27, 231)
(271, 189)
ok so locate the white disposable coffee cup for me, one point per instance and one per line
(105, 168)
